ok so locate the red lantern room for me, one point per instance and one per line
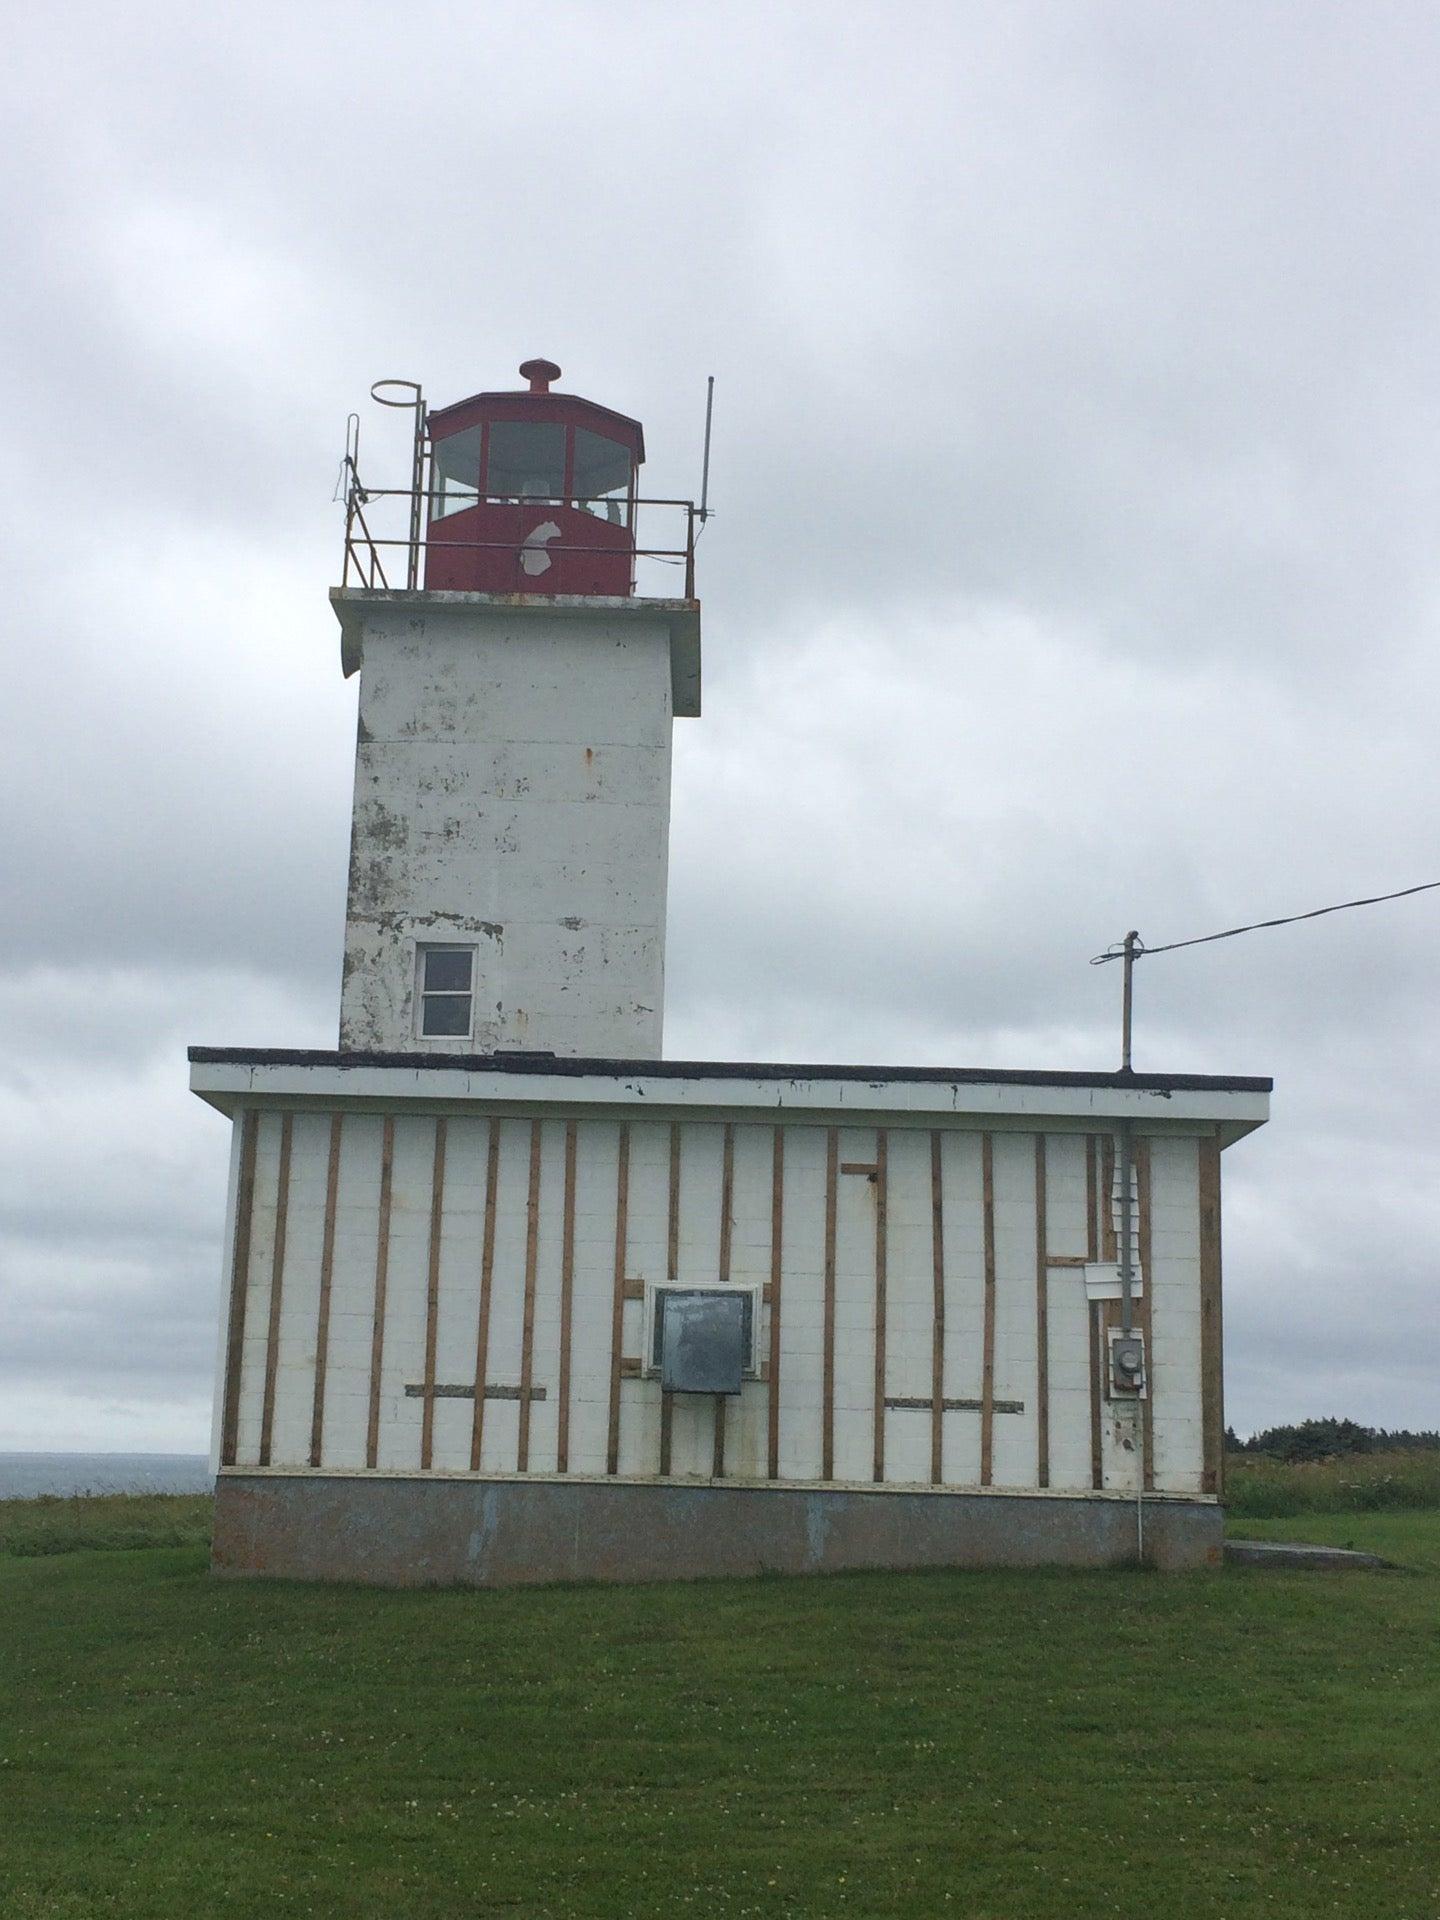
(532, 492)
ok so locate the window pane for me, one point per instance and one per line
(602, 476)
(446, 1014)
(455, 473)
(448, 970)
(527, 460)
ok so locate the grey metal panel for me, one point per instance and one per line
(704, 1339)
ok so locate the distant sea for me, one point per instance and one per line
(24, 1475)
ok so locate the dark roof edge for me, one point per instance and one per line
(577, 1069)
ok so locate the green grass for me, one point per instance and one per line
(56, 1524)
(1002, 1746)
(1352, 1483)
(1409, 1540)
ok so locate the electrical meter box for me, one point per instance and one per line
(1127, 1365)
(702, 1338)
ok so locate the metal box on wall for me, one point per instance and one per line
(702, 1338)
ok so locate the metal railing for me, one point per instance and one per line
(365, 549)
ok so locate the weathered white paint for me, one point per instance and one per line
(512, 793)
(1173, 1282)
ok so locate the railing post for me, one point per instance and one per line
(689, 549)
(417, 488)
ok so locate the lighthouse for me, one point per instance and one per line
(511, 818)
(509, 1296)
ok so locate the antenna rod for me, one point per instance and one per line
(705, 462)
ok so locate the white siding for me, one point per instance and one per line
(1172, 1283)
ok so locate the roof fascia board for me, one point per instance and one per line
(234, 1084)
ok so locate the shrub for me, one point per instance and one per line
(1323, 1439)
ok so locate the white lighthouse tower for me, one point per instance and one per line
(509, 840)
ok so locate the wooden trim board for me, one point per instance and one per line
(382, 1274)
(327, 1271)
(239, 1287)
(487, 1284)
(527, 1332)
(432, 1293)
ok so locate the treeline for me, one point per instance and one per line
(1330, 1440)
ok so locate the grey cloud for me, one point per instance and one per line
(1073, 569)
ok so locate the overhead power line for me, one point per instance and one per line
(1137, 946)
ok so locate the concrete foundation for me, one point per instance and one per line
(400, 1531)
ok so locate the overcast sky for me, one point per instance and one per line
(1074, 569)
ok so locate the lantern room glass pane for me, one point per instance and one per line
(455, 473)
(527, 460)
(602, 476)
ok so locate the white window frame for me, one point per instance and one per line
(650, 1367)
(423, 949)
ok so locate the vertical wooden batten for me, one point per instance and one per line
(617, 1310)
(1092, 1215)
(882, 1162)
(432, 1295)
(1042, 1320)
(527, 1332)
(937, 1340)
(277, 1285)
(327, 1271)
(239, 1287)
(487, 1282)
(777, 1263)
(382, 1274)
(1212, 1378)
(987, 1371)
(827, 1408)
(567, 1303)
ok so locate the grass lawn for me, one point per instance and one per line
(1000, 1745)
(1410, 1540)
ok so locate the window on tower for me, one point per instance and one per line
(602, 476)
(527, 460)
(447, 992)
(455, 473)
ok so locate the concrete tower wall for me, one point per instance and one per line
(512, 794)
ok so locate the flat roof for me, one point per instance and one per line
(582, 1066)
(234, 1077)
